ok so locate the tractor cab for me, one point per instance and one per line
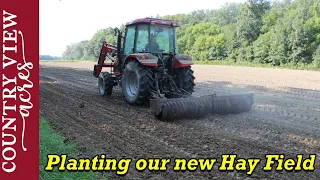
(150, 41)
(150, 35)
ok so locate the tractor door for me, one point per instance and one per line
(128, 45)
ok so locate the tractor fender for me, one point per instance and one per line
(145, 59)
(180, 61)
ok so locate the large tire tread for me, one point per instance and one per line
(146, 83)
(108, 85)
(186, 79)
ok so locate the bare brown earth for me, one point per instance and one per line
(285, 120)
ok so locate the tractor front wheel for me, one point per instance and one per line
(105, 84)
(137, 83)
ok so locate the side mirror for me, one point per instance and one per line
(117, 30)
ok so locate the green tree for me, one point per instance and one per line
(316, 57)
(248, 27)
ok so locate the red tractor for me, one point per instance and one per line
(146, 64)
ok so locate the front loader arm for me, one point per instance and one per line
(107, 50)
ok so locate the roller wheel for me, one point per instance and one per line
(105, 84)
(185, 79)
(137, 83)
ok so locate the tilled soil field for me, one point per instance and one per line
(284, 120)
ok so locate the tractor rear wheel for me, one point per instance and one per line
(137, 83)
(105, 84)
(185, 79)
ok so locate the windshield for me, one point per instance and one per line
(161, 39)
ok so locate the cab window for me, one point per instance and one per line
(142, 38)
(129, 40)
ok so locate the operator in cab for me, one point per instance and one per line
(154, 46)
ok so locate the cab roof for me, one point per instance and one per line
(155, 21)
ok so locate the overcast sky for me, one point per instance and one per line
(63, 22)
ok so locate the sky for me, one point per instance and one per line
(63, 22)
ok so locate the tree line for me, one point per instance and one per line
(259, 31)
(49, 57)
